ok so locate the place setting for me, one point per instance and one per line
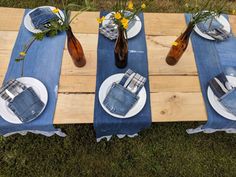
(38, 20)
(110, 30)
(221, 95)
(122, 99)
(216, 28)
(22, 100)
(123, 95)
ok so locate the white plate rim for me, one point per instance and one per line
(134, 31)
(222, 20)
(28, 23)
(213, 100)
(115, 78)
(10, 116)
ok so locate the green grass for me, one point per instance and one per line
(164, 150)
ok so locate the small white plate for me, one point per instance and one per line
(131, 32)
(217, 105)
(28, 22)
(221, 19)
(39, 89)
(106, 85)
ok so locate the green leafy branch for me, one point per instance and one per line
(56, 26)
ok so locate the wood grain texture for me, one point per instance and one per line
(86, 84)
(4, 60)
(10, 18)
(173, 107)
(74, 108)
(166, 107)
(164, 24)
(232, 20)
(1, 80)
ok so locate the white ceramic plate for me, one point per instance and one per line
(131, 32)
(222, 20)
(39, 89)
(216, 104)
(28, 22)
(106, 85)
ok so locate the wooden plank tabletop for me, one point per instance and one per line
(175, 90)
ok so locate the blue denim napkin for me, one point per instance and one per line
(213, 58)
(27, 105)
(120, 100)
(220, 85)
(209, 25)
(42, 16)
(224, 91)
(43, 62)
(105, 124)
(123, 96)
(214, 28)
(229, 101)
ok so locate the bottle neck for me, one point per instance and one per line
(69, 32)
(188, 31)
(122, 34)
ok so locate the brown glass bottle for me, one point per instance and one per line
(121, 49)
(75, 49)
(179, 46)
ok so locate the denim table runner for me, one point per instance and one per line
(105, 124)
(42, 62)
(212, 58)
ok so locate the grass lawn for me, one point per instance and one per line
(164, 150)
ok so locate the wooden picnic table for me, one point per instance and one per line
(175, 90)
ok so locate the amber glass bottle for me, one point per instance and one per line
(179, 46)
(121, 49)
(75, 49)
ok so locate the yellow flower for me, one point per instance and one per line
(175, 44)
(55, 11)
(125, 23)
(143, 6)
(130, 5)
(125, 26)
(117, 15)
(234, 12)
(100, 20)
(22, 54)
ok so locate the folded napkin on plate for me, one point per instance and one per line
(41, 17)
(220, 85)
(123, 96)
(225, 92)
(23, 101)
(213, 28)
(110, 30)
